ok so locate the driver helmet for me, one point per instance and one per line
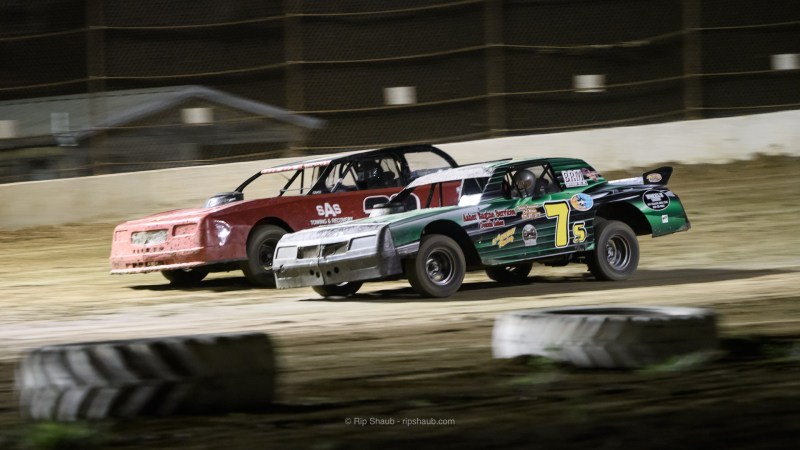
(524, 182)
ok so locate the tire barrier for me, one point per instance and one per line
(197, 374)
(605, 337)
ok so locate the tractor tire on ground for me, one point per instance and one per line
(199, 374)
(260, 252)
(605, 337)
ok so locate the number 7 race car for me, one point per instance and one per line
(499, 216)
(232, 233)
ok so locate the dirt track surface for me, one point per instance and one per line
(388, 355)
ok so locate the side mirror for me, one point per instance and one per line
(223, 198)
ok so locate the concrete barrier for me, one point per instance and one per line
(114, 198)
(688, 142)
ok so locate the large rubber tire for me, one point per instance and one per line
(215, 373)
(516, 273)
(439, 267)
(187, 277)
(605, 337)
(338, 290)
(260, 252)
(616, 253)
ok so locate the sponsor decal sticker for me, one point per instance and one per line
(581, 202)
(665, 219)
(529, 235)
(573, 178)
(655, 200)
(330, 220)
(590, 174)
(494, 223)
(531, 212)
(654, 177)
(490, 219)
(329, 210)
(504, 238)
(469, 217)
(329, 213)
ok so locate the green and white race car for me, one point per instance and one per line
(497, 216)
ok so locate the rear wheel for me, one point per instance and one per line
(184, 277)
(516, 273)
(260, 252)
(338, 290)
(439, 268)
(616, 253)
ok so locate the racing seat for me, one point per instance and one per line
(388, 179)
(543, 186)
(369, 175)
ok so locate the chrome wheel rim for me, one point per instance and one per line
(440, 267)
(618, 252)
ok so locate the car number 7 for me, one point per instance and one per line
(560, 212)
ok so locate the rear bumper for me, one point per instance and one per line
(179, 245)
(312, 258)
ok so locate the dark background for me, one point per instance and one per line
(481, 68)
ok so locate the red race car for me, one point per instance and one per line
(231, 233)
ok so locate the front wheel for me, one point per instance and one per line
(439, 268)
(338, 290)
(516, 273)
(616, 253)
(184, 277)
(260, 252)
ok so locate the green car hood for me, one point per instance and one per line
(406, 227)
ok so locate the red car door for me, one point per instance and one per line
(356, 187)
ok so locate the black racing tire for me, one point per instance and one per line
(200, 374)
(616, 253)
(439, 267)
(338, 290)
(516, 273)
(260, 253)
(618, 337)
(185, 277)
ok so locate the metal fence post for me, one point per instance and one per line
(692, 60)
(495, 70)
(293, 54)
(96, 83)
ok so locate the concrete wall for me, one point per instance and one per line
(114, 198)
(688, 142)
